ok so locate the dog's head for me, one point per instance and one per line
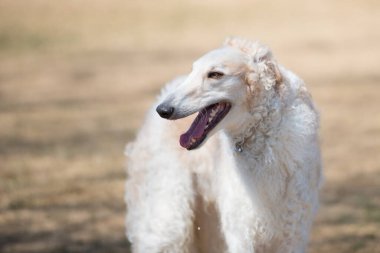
(223, 86)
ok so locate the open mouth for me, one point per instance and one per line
(206, 120)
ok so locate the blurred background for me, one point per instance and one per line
(77, 76)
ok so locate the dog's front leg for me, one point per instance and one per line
(159, 198)
(236, 213)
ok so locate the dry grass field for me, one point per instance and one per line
(77, 76)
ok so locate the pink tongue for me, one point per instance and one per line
(196, 130)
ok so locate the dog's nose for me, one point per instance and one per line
(165, 111)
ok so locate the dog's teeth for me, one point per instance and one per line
(213, 113)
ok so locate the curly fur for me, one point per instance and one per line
(215, 199)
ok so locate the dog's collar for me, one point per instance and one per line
(241, 141)
(238, 148)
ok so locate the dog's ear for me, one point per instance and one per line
(262, 67)
(267, 69)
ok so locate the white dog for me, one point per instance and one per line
(245, 175)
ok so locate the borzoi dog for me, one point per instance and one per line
(246, 174)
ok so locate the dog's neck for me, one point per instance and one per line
(261, 124)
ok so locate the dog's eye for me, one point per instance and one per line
(215, 75)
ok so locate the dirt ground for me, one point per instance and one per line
(77, 76)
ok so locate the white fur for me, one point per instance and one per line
(215, 199)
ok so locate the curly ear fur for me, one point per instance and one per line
(262, 67)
